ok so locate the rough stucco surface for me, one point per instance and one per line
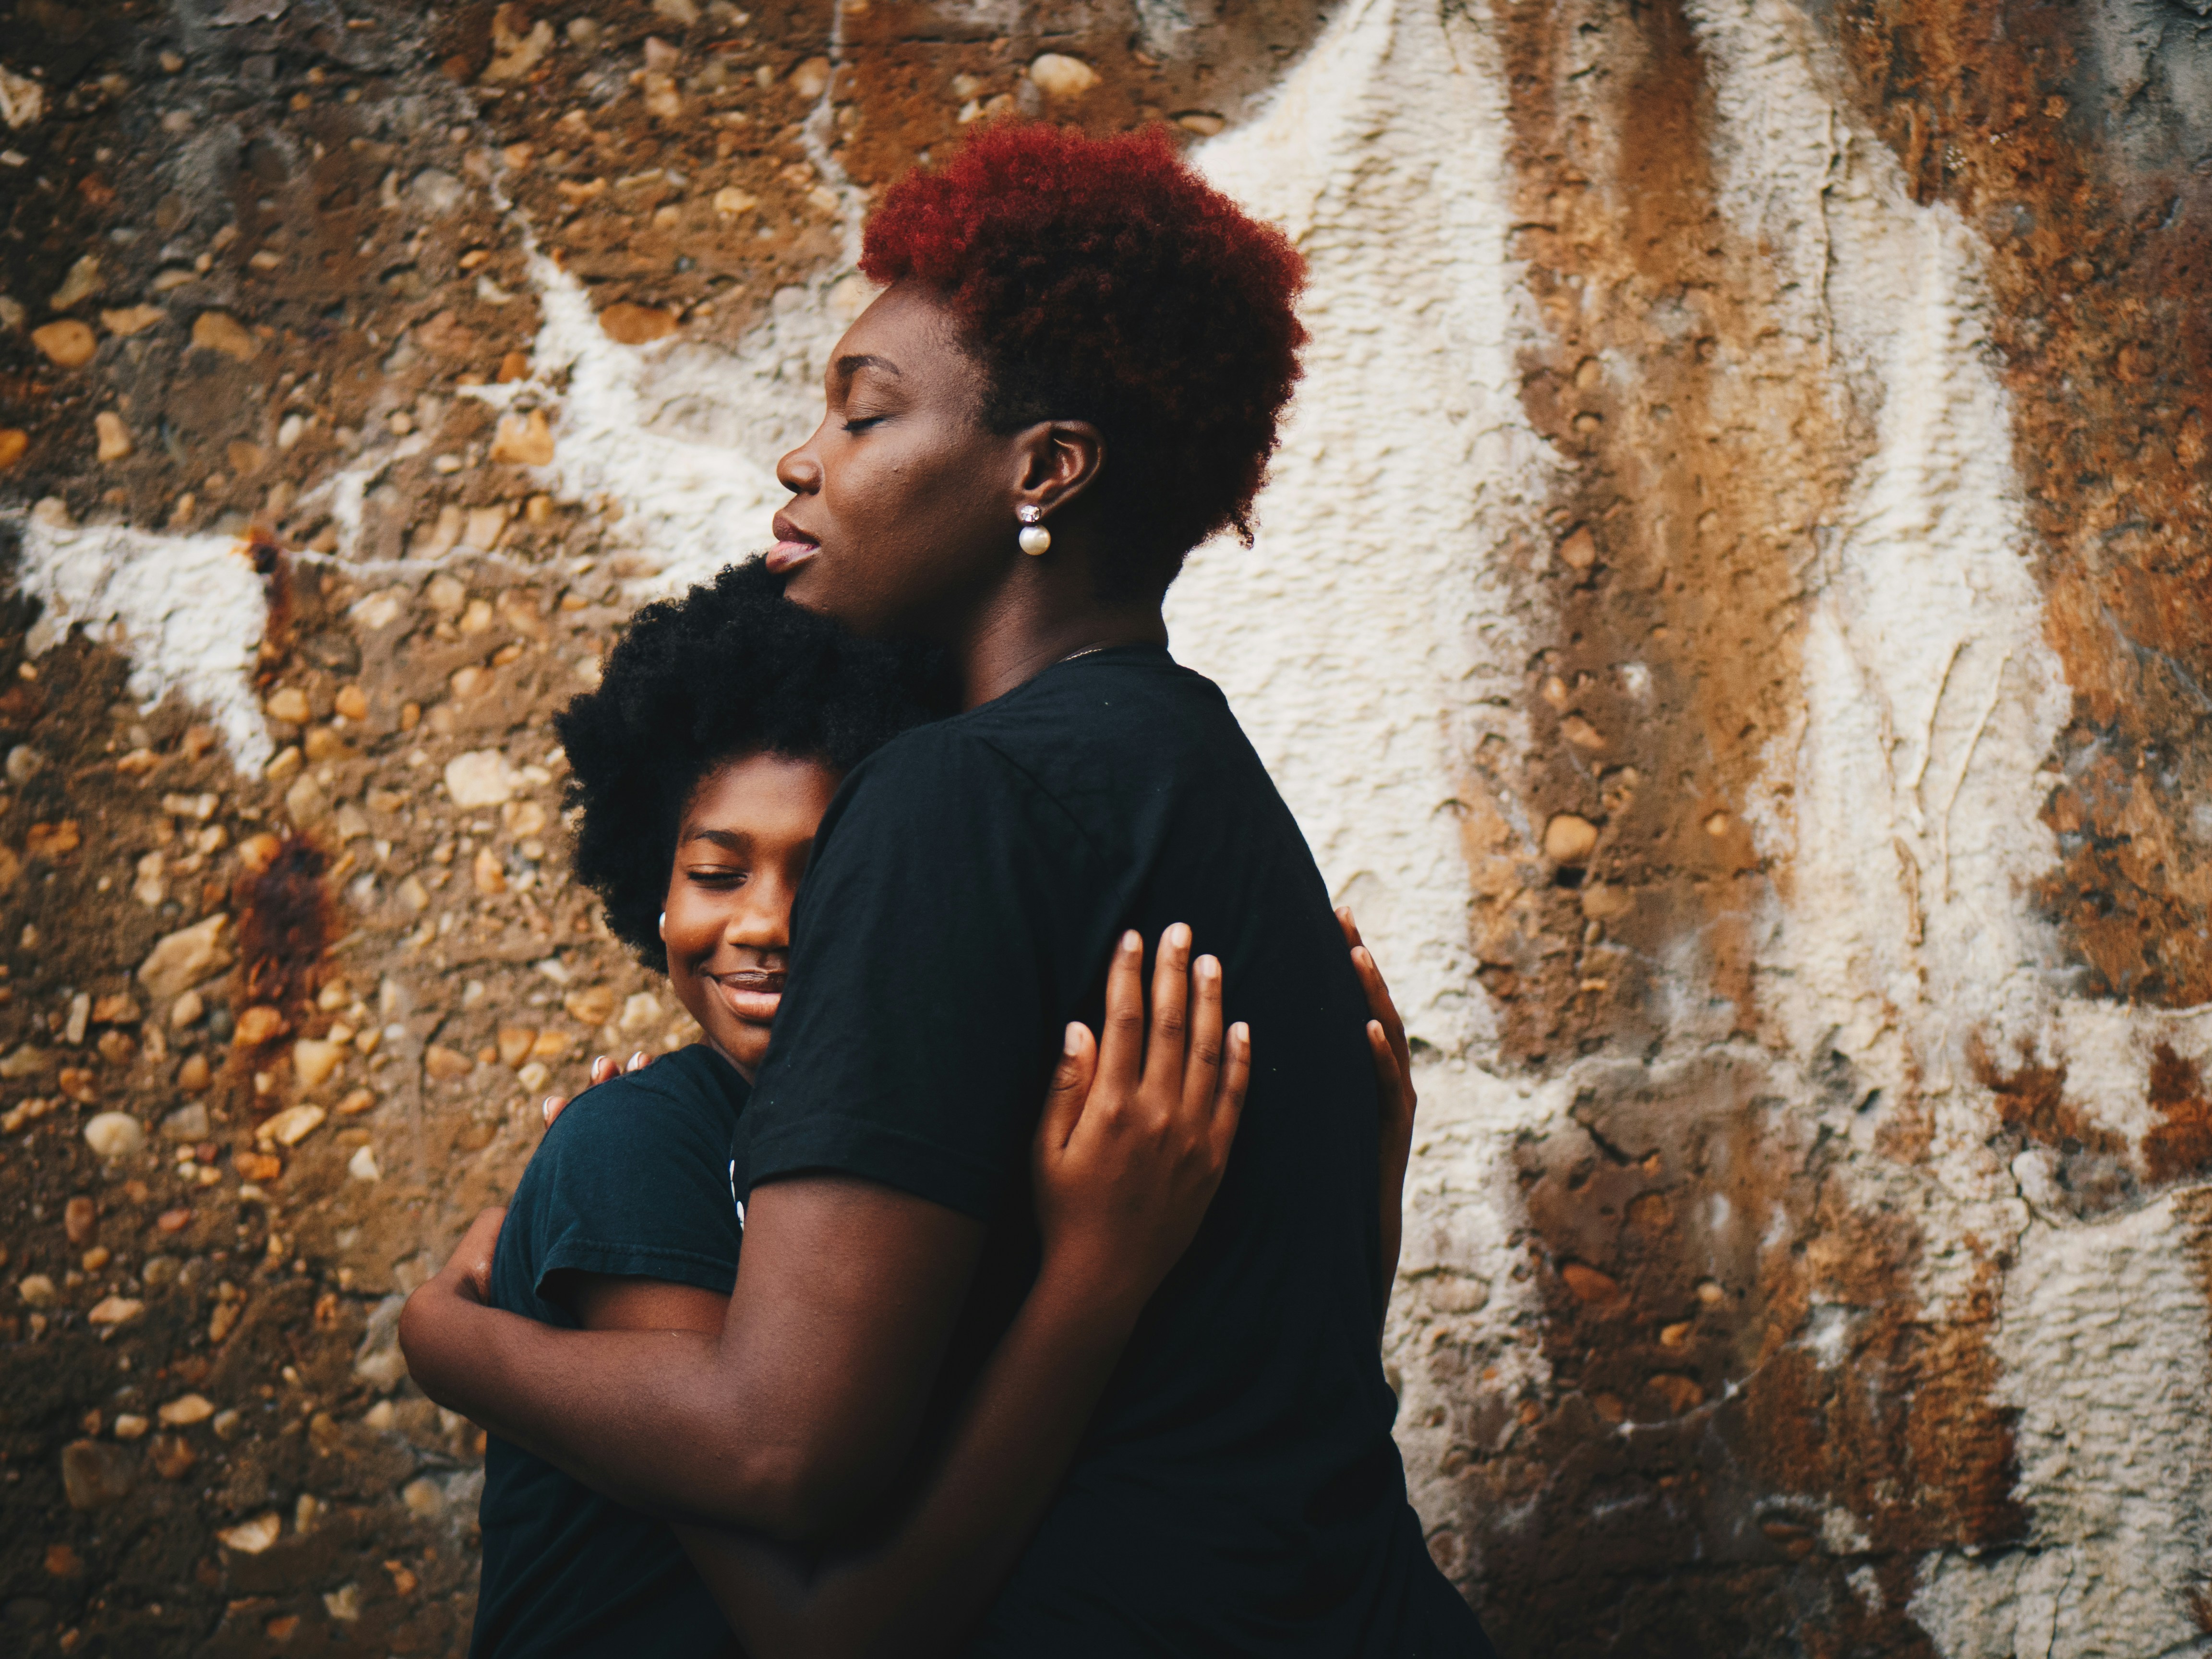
(1727, 614)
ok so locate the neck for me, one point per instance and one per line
(1025, 632)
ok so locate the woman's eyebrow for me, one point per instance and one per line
(735, 840)
(850, 366)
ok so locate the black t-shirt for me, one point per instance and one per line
(633, 1179)
(1238, 1492)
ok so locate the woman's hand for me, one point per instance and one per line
(1393, 1082)
(1136, 1132)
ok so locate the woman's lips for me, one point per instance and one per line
(793, 546)
(752, 997)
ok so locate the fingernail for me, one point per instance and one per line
(1208, 968)
(1179, 936)
(637, 1058)
(1133, 940)
(546, 1107)
(598, 1061)
(1071, 1043)
(1240, 1031)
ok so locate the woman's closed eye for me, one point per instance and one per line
(864, 422)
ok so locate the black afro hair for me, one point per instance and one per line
(732, 668)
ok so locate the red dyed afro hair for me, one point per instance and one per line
(1103, 280)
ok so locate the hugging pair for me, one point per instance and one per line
(1091, 1383)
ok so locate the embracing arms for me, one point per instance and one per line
(1134, 1141)
(789, 1414)
(786, 1419)
(789, 1419)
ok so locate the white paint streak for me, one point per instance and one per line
(1931, 703)
(1371, 626)
(1923, 587)
(682, 437)
(188, 609)
(2103, 1337)
(1406, 458)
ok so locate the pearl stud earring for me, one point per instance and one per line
(1034, 538)
(664, 922)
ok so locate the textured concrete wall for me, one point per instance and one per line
(1726, 613)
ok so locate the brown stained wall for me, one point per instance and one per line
(1748, 1409)
(248, 1271)
(2074, 139)
(1736, 1364)
(1704, 443)
(1736, 1368)
(271, 161)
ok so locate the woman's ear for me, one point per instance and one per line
(1059, 460)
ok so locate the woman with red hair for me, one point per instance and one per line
(1074, 373)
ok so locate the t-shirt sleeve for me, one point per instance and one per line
(630, 1181)
(933, 950)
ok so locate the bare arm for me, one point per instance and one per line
(788, 1420)
(1134, 1141)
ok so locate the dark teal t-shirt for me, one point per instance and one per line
(632, 1180)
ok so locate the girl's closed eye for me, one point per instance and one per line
(717, 875)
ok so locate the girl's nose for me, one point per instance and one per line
(763, 926)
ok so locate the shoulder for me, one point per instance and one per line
(633, 1179)
(673, 1107)
(937, 786)
(960, 745)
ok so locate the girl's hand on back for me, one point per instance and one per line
(603, 1070)
(1393, 1082)
(1137, 1129)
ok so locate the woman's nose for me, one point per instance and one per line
(798, 471)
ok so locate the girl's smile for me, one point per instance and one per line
(741, 850)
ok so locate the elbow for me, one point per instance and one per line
(419, 1345)
(806, 1495)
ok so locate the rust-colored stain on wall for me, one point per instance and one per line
(2077, 146)
(1704, 444)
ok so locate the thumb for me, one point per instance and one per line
(1070, 1088)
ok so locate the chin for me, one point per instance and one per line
(747, 1049)
(806, 588)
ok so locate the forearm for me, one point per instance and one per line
(1394, 1160)
(1394, 1232)
(922, 1590)
(644, 1417)
(791, 1421)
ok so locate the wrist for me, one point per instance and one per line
(1091, 1291)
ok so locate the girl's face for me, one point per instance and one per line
(743, 844)
(902, 509)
